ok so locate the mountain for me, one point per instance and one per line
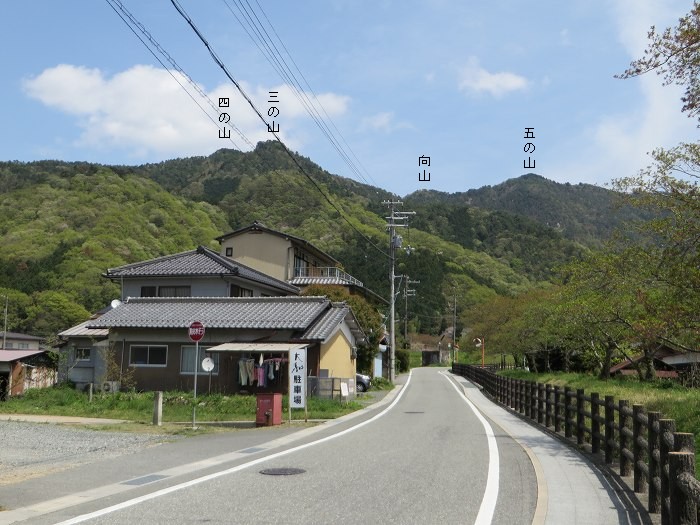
(583, 213)
(62, 224)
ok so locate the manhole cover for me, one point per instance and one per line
(282, 471)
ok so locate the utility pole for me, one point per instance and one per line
(4, 333)
(406, 294)
(397, 219)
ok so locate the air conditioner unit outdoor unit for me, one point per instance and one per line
(111, 386)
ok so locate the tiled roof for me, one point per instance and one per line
(283, 313)
(326, 324)
(16, 335)
(201, 262)
(81, 330)
(7, 356)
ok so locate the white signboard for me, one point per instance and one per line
(297, 378)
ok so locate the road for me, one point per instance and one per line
(437, 452)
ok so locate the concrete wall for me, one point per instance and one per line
(265, 252)
(336, 356)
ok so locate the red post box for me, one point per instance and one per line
(269, 410)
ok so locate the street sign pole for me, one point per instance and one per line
(196, 364)
(196, 332)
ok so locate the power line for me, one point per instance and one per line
(278, 62)
(221, 65)
(117, 6)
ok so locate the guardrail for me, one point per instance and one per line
(640, 444)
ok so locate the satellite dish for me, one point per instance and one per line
(115, 303)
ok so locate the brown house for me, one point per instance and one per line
(21, 370)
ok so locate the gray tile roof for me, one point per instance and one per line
(81, 330)
(324, 327)
(201, 262)
(327, 323)
(282, 313)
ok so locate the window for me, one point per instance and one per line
(148, 355)
(238, 291)
(8, 346)
(174, 291)
(82, 354)
(187, 360)
(229, 252)
(24, 346)
(148, 291)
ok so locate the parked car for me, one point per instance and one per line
(362, 382)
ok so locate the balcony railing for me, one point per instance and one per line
(327, 272)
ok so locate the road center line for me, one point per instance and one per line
(488, 503)
(196, 481)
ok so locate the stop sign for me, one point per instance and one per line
(196, 331)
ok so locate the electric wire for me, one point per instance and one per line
(278, 62)
(223, 67)
(133, 21)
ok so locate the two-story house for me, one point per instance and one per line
(145, 333)
(290, 259)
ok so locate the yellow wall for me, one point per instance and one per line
(265, 252)
(336, 356)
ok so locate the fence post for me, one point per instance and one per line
(548, 405)
(533, 401)
(666, 429)
(609, 429)
(557, 409)
(528, 397)
(683, 508)
(640, 481)
(654, 454)
(595, 422)
(625, 467)
(540, 403)
(568, 432)
(158, 408)
(580, 417)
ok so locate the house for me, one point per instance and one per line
(196, 273)
(17, 341)
(83, 352)
(21, 370)
(149, 342)
(290, 259)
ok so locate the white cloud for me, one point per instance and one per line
(618, 143)
(383, 121)
(476, 79)
(144, 111)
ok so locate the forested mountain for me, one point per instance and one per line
(63, 224)
(583, 213)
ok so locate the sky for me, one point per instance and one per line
(397, 84)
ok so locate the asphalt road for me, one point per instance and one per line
(426, 455)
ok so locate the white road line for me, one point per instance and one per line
(488, 503)
(196, 481)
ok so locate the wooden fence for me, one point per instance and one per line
(640, 444)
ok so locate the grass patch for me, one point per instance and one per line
(177, 406)
(674, 401)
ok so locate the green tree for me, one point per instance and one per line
(674, 54)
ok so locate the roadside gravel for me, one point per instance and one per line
(29, 450)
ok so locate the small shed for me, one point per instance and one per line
(21, 370)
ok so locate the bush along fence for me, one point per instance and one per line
(640, 443)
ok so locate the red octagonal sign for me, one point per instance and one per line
(196, 331)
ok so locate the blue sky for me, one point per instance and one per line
(458, 81)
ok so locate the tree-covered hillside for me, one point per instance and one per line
(583, 213)
(63, 224)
